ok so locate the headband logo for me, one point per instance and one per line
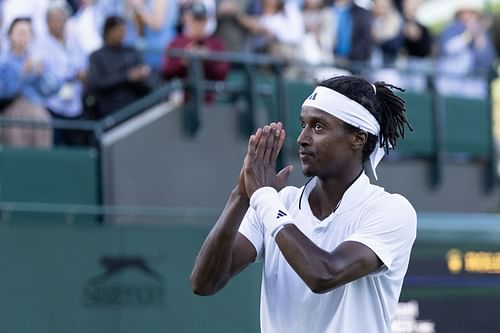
(313, 96)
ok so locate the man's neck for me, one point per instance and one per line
(328, 192)
(113, 44)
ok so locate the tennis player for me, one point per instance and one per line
(336, 250)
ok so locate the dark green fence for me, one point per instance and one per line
(445, 128)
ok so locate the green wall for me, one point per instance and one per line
(62, 175)
(53, 281)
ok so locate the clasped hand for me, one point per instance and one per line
(259, 166)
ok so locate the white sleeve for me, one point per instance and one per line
(253, 230)
(389, 230)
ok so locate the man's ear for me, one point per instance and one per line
(359, 139)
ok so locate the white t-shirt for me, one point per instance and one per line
(384, 222)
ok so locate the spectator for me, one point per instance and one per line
(465, 53)
(387, 30)
(193, 39)
(228, 27)
(495, 29)
(67, 60)
(416, 50)
(319, 24)
(26, 82)
(117, 74)
(211, 6)
(354, 41)
(4, 71)
(151, 26)
(417, 38)
(35, 10)
(275, 26)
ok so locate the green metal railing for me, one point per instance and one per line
(70, 214)
(251, 87)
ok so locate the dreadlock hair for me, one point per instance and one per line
(387, 108)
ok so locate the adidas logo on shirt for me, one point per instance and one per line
(280, 214)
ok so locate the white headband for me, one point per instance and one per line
(349, 111)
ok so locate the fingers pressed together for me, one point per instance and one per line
(266, 143)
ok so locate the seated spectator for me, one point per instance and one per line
(66, 59)
(195, 40)
(354, 40)
(117, 74)
(319, 23)
(275, 27)
(26, 82)
(465, 53)
(387, 30)
(417, 38)
(151, 26)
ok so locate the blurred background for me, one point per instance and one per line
(124, 123)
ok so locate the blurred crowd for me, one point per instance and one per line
(84, 59)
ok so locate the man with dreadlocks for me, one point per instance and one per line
(336, 250)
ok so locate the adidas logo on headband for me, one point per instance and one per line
(312, 97)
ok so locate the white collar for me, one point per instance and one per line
(352, 197)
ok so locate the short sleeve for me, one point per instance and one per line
(253, 230)
(389, 230)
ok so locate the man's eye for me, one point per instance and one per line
(302, 125)
(318, 127)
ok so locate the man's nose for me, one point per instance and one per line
(304, 137)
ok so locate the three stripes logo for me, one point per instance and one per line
(313, 96)
(280, 214)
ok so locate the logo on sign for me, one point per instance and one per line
(123, 281)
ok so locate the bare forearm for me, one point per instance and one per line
(310, 262)
(321, 270)
(212, 267)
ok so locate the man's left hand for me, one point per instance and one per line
(260, 163)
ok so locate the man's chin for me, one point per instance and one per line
(307, 173)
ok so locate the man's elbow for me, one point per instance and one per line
(320, 285)
(202, 289)
(323, 283)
